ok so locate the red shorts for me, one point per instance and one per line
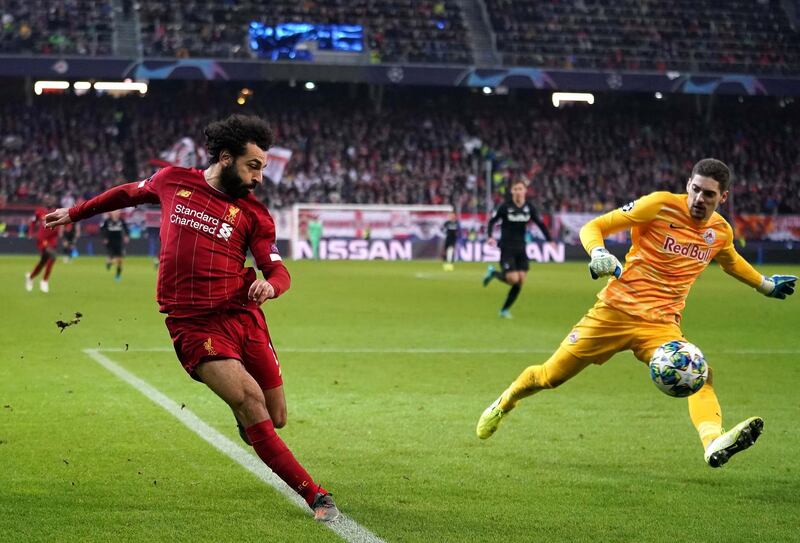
(236, 333)
(45, 247)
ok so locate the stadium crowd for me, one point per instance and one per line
(418, 149)
(395, 30)
(742, 36)
(44, 27)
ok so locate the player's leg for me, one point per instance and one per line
(44, 284)
(43, 258)
(518, 269)
(516, 279)
(275, 400)
(706, 413)
(558, 369)
(118, 263)
(513, 279)
(506, 264)
(600, 334)
(36, 269)
(220, 336)
(261, 362)
(229, 380)
(449, 257)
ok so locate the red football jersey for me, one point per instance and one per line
(45, 237)
(205, 235)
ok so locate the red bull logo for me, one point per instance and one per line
(690, 250)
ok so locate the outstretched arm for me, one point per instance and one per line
(777, 286)
(127, 195)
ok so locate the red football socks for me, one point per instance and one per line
(275, 454)
(48, 268)
(38, 268)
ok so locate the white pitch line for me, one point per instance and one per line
(350, 351)
(344, 527)
(342, 350)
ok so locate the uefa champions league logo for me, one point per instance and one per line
(395, 74)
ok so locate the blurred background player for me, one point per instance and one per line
(450, 229)
(675, 236)
(69, 238)
(209, 220)
(115, 237)
(46, 244)
(314, 235)
(514, 217)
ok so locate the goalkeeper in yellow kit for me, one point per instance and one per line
(674, 237)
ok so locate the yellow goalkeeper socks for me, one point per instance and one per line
(559, 368)
(706, 414)
(528, 383)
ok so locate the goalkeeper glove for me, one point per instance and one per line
(604, 263)
(778, 286)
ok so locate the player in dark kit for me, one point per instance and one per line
(450, 229)
(115, 231)
(47, 245)
(514, 217)
(69, 237)
(209, 220)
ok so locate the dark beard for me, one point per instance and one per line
(231, 183)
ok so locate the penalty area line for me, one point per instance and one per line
(344, 527)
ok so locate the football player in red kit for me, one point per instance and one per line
(46, 244)
(209, 220)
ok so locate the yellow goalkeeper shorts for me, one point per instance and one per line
(605, 331)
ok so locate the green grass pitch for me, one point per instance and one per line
(387, 367)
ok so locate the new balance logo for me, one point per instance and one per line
(225, 231)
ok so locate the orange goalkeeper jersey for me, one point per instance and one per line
(669, 250)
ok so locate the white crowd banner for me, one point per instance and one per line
(277, 159)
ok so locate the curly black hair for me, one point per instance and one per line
(716, 170)
(234, 133)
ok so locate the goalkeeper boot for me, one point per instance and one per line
(490, 420)
(324, 508)
(489, 274)
(737, 439)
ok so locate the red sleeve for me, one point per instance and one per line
(265, 252)
(127, 195)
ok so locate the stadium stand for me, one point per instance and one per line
(419, 149)
(740, 36)
(396, 30)
(81, 27)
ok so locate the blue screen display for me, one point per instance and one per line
(281, 41)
